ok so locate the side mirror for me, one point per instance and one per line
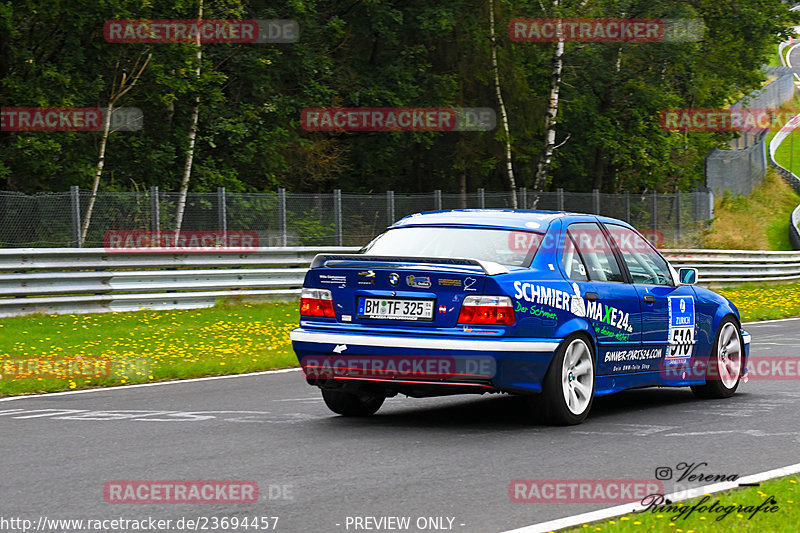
(687, 276)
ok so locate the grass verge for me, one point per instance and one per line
(145, 345)
(765, 213)
(785, 491)
(230, 338)
(787, 154)
(761, 301)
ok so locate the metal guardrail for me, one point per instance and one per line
(730, 267)
(788, 176)
(69, 280)
(794, 228)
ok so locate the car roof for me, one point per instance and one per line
(523, 219)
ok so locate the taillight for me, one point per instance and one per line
(316, 302)
(496, 310)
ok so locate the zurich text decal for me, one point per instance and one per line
(681, 329)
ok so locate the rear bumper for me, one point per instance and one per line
(403, 363)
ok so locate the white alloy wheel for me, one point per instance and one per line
(577, 376)
(729, 355)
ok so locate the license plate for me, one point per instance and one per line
(395, 309)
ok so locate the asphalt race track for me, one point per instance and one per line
(451, 458)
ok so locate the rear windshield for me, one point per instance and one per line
(507, 247)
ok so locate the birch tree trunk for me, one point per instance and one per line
(117, 92)
(503, 115)
(543, 167)
(101, 161)
(187, 167)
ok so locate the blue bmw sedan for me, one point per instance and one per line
(555, 306)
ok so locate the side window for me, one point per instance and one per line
(643, 262)
(595, 250)
(572, 261)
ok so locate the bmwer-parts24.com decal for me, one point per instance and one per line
(681, 329)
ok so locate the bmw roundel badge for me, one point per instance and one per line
(394, 279)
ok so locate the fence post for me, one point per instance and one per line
(390, 207)
(437, 199)
(524, 193)
(337, 215)
(481, 199)
(282, 214)
(155, 214)
(596, 201)
(75, 205)
(222, 211)
(627, 207)
(654, 216)
(678, 216)
(560, 196)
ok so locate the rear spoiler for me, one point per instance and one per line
(490, 268)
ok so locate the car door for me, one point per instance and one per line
(611, 303)
(668, 312)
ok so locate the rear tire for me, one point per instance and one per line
(724, 364)
(568, 386)
(352, 404)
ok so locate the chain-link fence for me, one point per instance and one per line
(289, 219)
(771, 96)
(740, 169)
(737, 171)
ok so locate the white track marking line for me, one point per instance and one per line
(769, 321)
(609, 512)
(139, 385)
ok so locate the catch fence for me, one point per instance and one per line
(304, 219)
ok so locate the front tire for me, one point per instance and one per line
(724, 368)
(352, 404)
(568, 386)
